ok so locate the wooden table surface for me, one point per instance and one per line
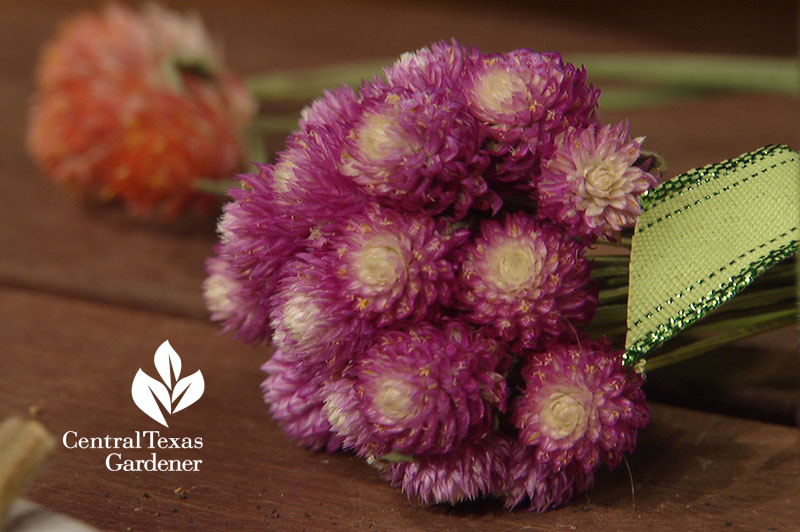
(87, 295)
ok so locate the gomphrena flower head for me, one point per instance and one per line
(136, 106)
(581, 408)
(310, 320)
(418, 150)
(591, 183)
(536, 481)
(419, 391)
(305, 178)
(440, 65)
(222, 290)
(394, 266)
(280, 210)
(293, 392)
(523, 100)
(526, 280)
(257, 237)
(335, 111)
(478, 468)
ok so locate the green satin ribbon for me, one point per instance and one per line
(705, 235)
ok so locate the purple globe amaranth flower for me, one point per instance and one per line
(440, 65)
(304, 181)
(306, 174)
(293, 392)
(591, 182)
(523, 100)
(312, 323)
(526, 280)
(418, 150)
(242, 271)
(335, 111)
(476, 469)
(538, 482)
(279, 211)
(581, 408)
(252, 252)
(422, 391)
(222, 292)
(394, 266)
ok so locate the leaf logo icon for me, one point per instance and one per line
(151, 395)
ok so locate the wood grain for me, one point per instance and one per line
(699, 470)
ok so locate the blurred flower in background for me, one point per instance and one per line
(136, 106)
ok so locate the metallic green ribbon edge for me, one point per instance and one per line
(668, 190)
(675, 187)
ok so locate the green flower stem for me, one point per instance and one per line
(735, 331)
(216, 187)
(759, 298)
(775, 75)
(610, 271)
(622, 98)
(610, 259)
(613, 294)
(395, 457)
(612, 282)
(281, 124)
(729, 324)
(680, 77)
(621, 243)
(610, 315)
(254, 148)
(308, 83)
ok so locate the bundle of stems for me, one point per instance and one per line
(768, 304)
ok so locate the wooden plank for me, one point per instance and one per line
(756, 378)
(75, 360)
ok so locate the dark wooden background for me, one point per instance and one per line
(86, 296)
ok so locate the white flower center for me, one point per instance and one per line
(601, 180)
(564, 415)
(299, 318)
(379, 265)
(379, 138)
(500, 91)
(393, 399)
(512, 267)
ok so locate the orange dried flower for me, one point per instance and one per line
(136, 106)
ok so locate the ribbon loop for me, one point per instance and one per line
(705, 235)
